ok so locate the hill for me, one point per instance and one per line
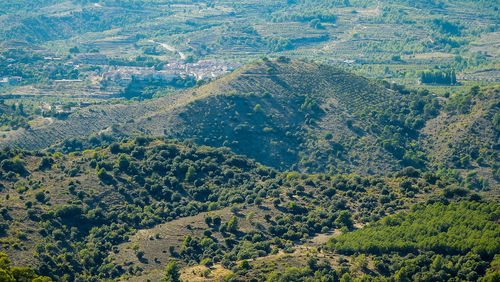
(131, 207)
(288, 114)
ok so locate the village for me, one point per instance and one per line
(201, 70)
(98, 77)
(124, 74)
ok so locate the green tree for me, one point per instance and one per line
(15, 165)
(123, 163)
(40, 196)
(114, 148)
(232, 225)
(344, 219)
(12, 274)
(245, 265)
(191, 174)
(74, 50)
(104, 176)
(172, 272)
(23, 273)
(496, 121)
(45, 162)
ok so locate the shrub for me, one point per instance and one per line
(40, 196)
(104, 176)
(45, 162)
(115, 148)
(14, 165)
(172, 272)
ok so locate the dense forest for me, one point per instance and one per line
(438, 241)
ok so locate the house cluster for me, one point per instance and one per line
(202, 69)
(124, 74)
(11, 80)
(199, 70)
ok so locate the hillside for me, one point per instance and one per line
(287, 114)
(466, 136)
(83, 123)
(432, 242)
(131, 185)
(131, 207)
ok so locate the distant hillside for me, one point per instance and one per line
(83, 123)
(286, 114)
(41, 21)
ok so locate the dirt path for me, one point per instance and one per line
(170, 48)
